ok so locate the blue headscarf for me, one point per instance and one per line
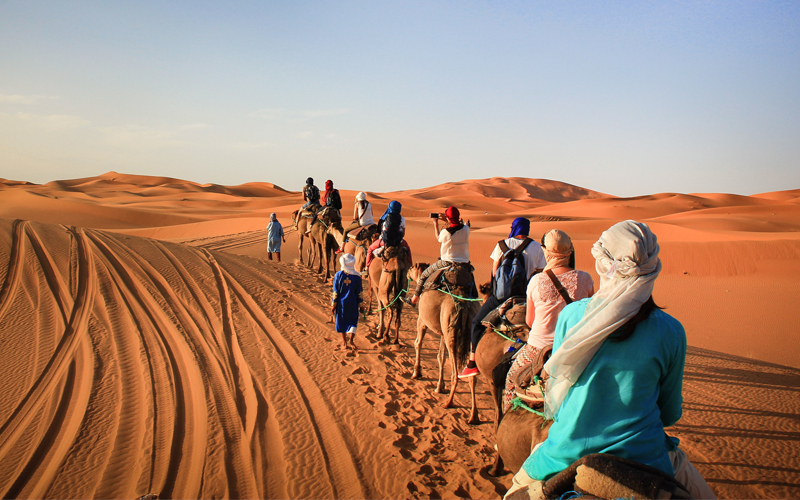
(394, 208)
(521, 225)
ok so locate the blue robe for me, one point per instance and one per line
(346, 298)
(274, 235)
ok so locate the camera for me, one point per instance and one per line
(434, 215)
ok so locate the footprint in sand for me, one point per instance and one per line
(285, 315)
(303, 331)
(297, 323)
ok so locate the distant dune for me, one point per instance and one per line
(148, 346)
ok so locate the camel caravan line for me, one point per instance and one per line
(448, 303)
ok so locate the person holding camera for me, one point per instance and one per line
(454, 241)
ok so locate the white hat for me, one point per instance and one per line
(362, 196)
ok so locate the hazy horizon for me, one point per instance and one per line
(625, 99)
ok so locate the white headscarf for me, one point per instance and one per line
(348, 263)
(362, 196)
(626, 258)
(273, 217)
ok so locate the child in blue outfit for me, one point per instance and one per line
(346, 299)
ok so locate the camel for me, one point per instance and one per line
(387, 277)
(358, 246)
(301, 225)
(489, 353)
(326, 237)
(518, 432)
(449, 317)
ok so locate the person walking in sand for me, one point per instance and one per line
(346, 300)
(616, 372)
(534, 259)
(274, 237)
(548, 293)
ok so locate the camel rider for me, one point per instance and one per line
(362, 214)
(454, 241)
(534, 262)
(310, 194)
(331, 198)
(393, 228)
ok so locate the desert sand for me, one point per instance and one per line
(149, 346)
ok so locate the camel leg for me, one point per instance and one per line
(387, 330)
(473, 411)
(498, 467)
(453, 374)
(397, 326)
(300, 247)
(417, 373)
(440, 359)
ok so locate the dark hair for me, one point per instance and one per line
(625, 331)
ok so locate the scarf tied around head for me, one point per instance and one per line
(626, 258)
(557, 249)
(520, 226)
(453, 216)
(348, 263)
(273, 217)
(394, 207)
(328, 191)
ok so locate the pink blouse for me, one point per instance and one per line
(548, 303)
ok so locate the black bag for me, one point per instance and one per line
(392, 235)
(334, 200)
(511, 278)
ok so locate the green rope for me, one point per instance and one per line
(507, 338)
(518, 403)
(389, 305)
(454, 296)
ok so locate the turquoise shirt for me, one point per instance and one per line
(626, 396)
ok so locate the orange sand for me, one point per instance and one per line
(149, 346)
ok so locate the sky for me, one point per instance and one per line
(625, 98)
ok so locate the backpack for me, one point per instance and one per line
(334, 200)
(392, 235)
(511, 277)
(311, 192)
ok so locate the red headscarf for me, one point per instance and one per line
(453, 216)
(328, 191)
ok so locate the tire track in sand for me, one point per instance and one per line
(65, 368)
(346, 479)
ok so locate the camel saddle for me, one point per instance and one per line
(601, 475)
(508, 316)
(310, 211)
(356, 233)
(457, 276)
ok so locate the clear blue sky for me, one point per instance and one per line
(627, 98)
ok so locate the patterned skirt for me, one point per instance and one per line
(525, 357)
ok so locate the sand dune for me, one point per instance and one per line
(148, 346)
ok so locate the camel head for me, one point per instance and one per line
(336, 230)
(415, 271)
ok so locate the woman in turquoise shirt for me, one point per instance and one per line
(616, 372)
